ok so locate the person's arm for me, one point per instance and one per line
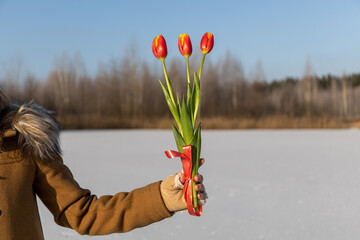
(76, 208)
(71, 205)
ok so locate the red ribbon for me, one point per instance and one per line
(186, 159)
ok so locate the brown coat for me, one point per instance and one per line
(23, 176)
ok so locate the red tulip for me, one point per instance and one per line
(159, 47)
(185, 46)
(207, 43)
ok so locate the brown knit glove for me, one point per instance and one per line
(172, 193)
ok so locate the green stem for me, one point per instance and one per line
(195, 172)
(188, 94)
(168, 83)
(201, 66)
(187, 70)
(195, 202)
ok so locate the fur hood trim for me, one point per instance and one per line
(38, 130)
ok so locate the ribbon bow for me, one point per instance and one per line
(186, 159)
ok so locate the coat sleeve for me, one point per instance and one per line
(78, 209)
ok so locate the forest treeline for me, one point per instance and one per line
(125, 93)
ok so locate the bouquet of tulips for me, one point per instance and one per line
(187, 134)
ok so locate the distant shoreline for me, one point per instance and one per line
(270, 122)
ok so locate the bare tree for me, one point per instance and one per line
(344, 93)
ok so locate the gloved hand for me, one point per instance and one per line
(173, 195)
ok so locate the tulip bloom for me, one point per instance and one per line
(185, 46)
(159, 47)
(185, 49)
(207, 43)
(185, 112)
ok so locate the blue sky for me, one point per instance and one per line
(281, 34)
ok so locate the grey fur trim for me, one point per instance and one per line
(38, 130)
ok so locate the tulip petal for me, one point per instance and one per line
(159, 47)
(184, 44)
(207, 42)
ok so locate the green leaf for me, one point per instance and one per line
(178, 138)
(195, 99)
(192, 107)
(195, 147)
(178, 102)
(189, 104)
(172, 107)
(193, 141)
(185, 120)
(168, 83)
(188, 95)
(198, 147)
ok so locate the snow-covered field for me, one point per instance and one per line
(262, 184)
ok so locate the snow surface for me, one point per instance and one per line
(262, 184)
